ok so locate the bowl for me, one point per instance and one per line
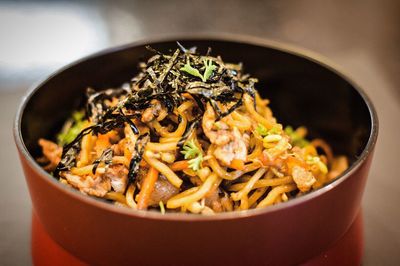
(304, 90)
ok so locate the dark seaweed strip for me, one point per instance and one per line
(199, 102)
(232, 108)
(250, 90)
(94, 97)
(136, 158)
(188, 131)
(67, 161)
(71, 150)
(78, 138)
(222, 86)
(129, 122)
(105, 157)
(216, 109)
(168, 101)
(168, 67)
(151, 49)
(172, 98)
(223, 75)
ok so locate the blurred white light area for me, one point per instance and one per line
(39, 36)
(124, 26)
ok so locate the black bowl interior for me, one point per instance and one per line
(302, 92)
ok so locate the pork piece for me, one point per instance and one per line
(217, 133)
(98, 186)
(303, 178)
(231, 144)
(163, 191)
(213, 200)
(52, 154)
(118, 149)
(118, 175)
(235, 149)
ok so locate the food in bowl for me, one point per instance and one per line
(303, 90)
(188, 133)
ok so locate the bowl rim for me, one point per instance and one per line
(227, 37)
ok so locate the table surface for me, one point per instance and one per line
(361, 37)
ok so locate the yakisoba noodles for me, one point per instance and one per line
(189, 133)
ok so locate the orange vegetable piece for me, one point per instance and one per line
(179, 165)
(237, 164)
(147, 188)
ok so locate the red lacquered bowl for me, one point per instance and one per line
(303, 89)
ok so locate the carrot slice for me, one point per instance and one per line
(237, 164)
(179, 165)
(147, 188)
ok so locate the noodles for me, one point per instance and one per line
(239, 121)
(189, 134)
(115, 196)
(221, 172)
(197, 195)
(257, 150)
(181, 127)
(274, 194)
(86, 147)
(120, 160)
(244, 203)
(256, 195)
(166, 140)
(250, 108)
(169, 146)
(264, 183)
(129, 197)
(248, 185)
(84, 170)
(165, 170)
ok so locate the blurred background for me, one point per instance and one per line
(362, 37)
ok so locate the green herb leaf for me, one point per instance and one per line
(263, 131)
(195, 163)
(72, 128)
(295, 139)
(209, 69)
(289, 130)
(275, 130)
(192, 152)
(191, 70)
(162, 208)
(317, 161)
(78, 116)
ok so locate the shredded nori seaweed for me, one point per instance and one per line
(166, 78)
(136, 158)
(105, 157)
